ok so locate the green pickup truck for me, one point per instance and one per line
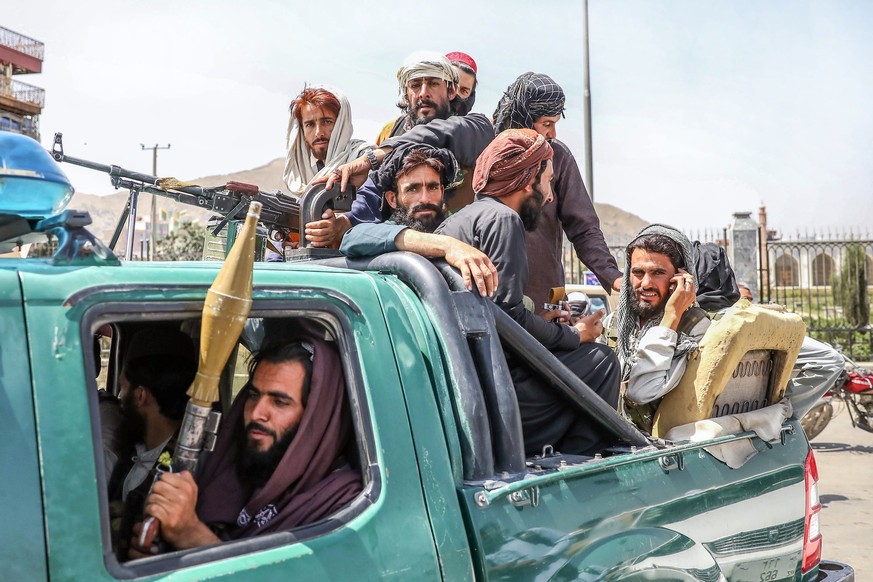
(448, 491)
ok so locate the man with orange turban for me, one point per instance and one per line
(512, 183)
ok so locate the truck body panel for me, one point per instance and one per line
(436, 504)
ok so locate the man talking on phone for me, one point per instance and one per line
(657, 322)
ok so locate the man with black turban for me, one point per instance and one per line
(535, 101)
(512, 183)
(414, 178)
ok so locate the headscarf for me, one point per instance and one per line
(307, 485)
(509, 162)
(299, 171)
(384, 176)
(425, 64)
(459, 57)
(628, 321)
(461, 106)
(716, 284)
(530, 97)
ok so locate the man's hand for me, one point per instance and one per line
(616, 285)
(561, 315)
(355, 171)
(172, 502)
(590, 327)
(473, 263)
(474, 266)
(683, 296)
(329, 231)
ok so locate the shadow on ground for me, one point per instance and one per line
(826, 499)
(841, 447)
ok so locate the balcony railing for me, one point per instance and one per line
(22, 92)
(21, 43)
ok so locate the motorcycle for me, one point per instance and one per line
(855, 388)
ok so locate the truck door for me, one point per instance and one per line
(22, 538)
(383, 533)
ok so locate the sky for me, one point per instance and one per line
(700, 109)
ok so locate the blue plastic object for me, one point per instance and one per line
(32, 184)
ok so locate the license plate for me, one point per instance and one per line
(769, 570)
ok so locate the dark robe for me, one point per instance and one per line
(311, 482)
(571, 212)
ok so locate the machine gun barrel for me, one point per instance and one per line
(280, 213)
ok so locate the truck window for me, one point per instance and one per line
(143, 369)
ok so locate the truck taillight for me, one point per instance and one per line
(812, 529)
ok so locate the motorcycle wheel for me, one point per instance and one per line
(818, 417)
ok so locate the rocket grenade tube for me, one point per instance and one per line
(225, 312)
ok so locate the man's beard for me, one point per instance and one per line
(440, 112)
(134, 423)
(532, 209)
(645, 310)
(255, 467)
(404, 217)
(319, 144)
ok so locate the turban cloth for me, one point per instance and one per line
(459, 57)
(384, 177)
(530, 97)
(460, 105)
(627, 319)
(426, 64)
(510, 162)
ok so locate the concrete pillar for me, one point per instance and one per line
(743, 250)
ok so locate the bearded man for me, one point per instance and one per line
(159, 366)
(277, 464)
(512, 182)
(414, 178)
(657, 323)
(319, 137)
(535, 101)
(427, 84)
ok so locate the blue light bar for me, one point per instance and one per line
(32, 184)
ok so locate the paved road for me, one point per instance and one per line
(844, 456)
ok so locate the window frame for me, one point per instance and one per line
(329, 312)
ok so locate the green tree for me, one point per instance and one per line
(851, 290)
(184, 243)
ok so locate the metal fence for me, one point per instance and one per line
(829, 282)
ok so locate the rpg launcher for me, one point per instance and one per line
(281, 214)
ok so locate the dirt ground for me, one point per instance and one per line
(844, 456)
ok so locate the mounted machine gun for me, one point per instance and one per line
(281, 214)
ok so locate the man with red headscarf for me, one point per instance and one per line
(512, 183)
(277, 464)
(468, 72)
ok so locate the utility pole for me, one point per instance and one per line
(153, 234)
(589, 153)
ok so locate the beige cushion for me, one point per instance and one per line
(772, 335)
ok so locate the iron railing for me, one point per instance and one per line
(827, 282)
(23, 92)
(21, 43)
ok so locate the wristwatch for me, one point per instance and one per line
(371, 157)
